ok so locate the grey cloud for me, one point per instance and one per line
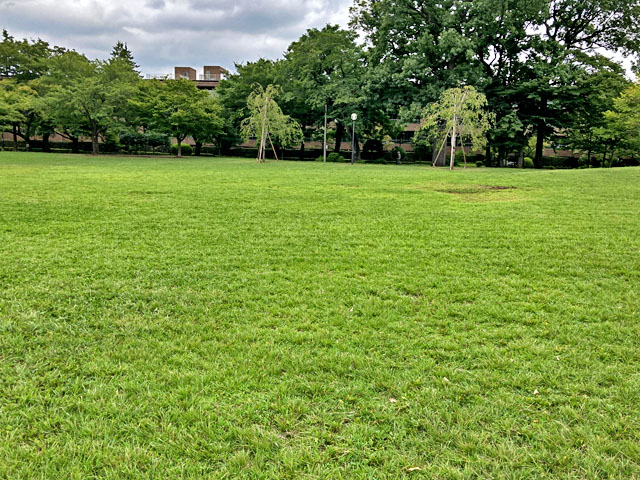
(156, 4)
(163, 33)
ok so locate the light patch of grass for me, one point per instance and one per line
(215, 318)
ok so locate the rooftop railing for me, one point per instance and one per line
(159, 76)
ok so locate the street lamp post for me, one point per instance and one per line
(354, 117)
(324, 139)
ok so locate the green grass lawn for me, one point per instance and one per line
(216, 318)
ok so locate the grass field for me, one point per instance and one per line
(216, 318)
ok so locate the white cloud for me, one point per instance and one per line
(164, 33)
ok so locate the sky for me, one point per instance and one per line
(165, 33)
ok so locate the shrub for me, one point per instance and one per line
(528, 162)
(335, 157)
(132, 140)
(479, 163)
(459, 158)
(373, 145)
(186, 149)
(378, 161)
(158, 140)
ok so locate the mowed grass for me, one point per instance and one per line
(216, 318)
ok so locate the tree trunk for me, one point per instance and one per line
(15, 138)
(302, 150)
(45, 142)
(26, 136)
(94, 140)
(540, 132)
(537, 161)
(453, 145)
(487, 154)
(589, 152)
(75, 144)
(434, 152)
(521, 158)
(198, 148)
(179, 147)
(339, 136)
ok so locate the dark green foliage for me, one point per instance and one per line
(539, 62)
(132, 141)
(325, 68)
(335, 157)
(236, 88)
(479, 163)
(24, 60)
(560, 162)
(187, 150)
(91, 97)
(373, 145)
(121, 52)
(177, 108)
(138, 141)
(378, 161)
(157, 140)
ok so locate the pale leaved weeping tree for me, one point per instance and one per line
(459, 113)
(266, 121)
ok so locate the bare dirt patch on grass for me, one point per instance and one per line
(474, 192)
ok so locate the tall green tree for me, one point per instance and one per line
(598, 88)
(623, 120)
(92, 95)
(209, 125)
(325, 69)
(67, 68)
(564, 38)
(11, 115)
(179, 109)
(234, 90)
(22, 65)
(23, 60)
(528, 56)
(416, 50)
(22, 107)
(121, 52)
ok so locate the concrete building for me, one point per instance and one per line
(208, 80)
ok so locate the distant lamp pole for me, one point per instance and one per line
(354, 117)
(324, 141)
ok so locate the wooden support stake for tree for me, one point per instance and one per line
(441, 147)
(261, 150)
(453, 144)
(464, 155)
(272, 147)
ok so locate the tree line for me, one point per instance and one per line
(545, 69)
(48, 90)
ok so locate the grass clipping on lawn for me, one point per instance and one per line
(214, 318)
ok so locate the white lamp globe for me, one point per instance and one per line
(354, 116)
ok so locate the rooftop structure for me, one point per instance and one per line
(208, 80)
